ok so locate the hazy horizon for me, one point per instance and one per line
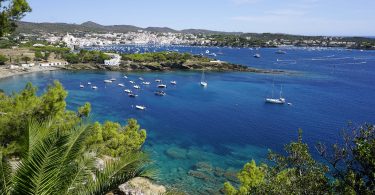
(303, 17)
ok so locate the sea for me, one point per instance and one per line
(199, 137)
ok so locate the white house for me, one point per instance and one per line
(27, 65)
(114, 61)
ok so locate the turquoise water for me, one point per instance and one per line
(199, 137)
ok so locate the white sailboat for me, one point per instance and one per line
(279, 100)
(203, 80)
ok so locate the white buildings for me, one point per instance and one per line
(48, 64)
(114, 61)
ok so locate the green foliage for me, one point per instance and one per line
(85, 56)
(295, 173)
(115, 140)
(3, 59)
(85, 110)
(11, 13)
(160, 57)
(55, 163)
(38, 56)
(26, 59)
(354, 162)
(19, 108)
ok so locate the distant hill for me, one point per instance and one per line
(28, 27)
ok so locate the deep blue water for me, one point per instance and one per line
(228, 123)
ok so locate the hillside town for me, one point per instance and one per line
(141, 37)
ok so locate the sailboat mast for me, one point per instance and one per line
(281, 91)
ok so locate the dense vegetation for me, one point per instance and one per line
(163, 57)
(10, 12)
(352, 169)
(38, 132)
(3, 59)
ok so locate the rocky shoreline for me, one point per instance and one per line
(187, 66)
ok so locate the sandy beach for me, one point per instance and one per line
(6, 72)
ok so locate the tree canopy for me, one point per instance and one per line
(352, 169)
(11, 11)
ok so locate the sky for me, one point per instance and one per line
(304, 17)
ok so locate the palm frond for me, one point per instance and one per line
(39, 174)
(5, 175)
(117, 172)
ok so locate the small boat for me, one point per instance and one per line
(275, 101)
(136, 87)
(160, 93)
(81, 86)
(140, 78)
(132, 95)
(280, 52)
(203, 80)
(121, 85)
(107, 81)
(158, 80)
(146, 83)
(162, 86)
(132, 82)
(127, 90)
(125, 77)
(257, 55)
(113, 79)
(94, 87)
(279, 100)
(140, 107)
(174, 82)
(89, 83)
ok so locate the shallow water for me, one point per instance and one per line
(199, 137)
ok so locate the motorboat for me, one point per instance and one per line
(162, 86)
(174, 82)
(140, 107)
(133, 95)
(89, 83)
(121, 85)
(132, 82)
(136, 87)
(94, 87)
(127, 90)
(81, 86)
(113, 79)
(146, 83)
(140, 78)
(125, 77)
(158, 80)
(107, 81)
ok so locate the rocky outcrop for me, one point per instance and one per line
(188, 65)
(141, 186)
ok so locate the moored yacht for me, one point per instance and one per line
(140, 107)
(280, 52)
(136, 87)
(94, 87)
(127, 90)
(132, 95)
(121, 85)
(257, 55)
(107, 81)
(174, 82)
(162, 86)
(146, 83)
(203, 80)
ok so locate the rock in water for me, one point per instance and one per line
(176, 153)
(141, 186)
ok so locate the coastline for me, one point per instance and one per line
(7, 72)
